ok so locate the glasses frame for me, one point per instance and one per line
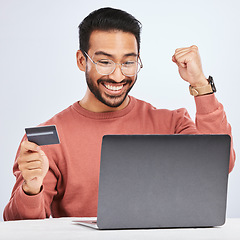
(115, 65)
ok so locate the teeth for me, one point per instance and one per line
(114, 88)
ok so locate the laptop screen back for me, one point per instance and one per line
(154, 181)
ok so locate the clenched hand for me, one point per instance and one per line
(189, 66)
(34, 165)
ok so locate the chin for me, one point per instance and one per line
(112, 101)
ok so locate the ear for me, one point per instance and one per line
(81, 61)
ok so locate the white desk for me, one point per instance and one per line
(63, 228)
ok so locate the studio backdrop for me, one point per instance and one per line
(39, 76)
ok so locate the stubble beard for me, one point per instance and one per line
(108, 100)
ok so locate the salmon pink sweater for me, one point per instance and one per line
(70, 187)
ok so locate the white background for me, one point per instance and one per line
(39, 76)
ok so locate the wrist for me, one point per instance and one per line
(201, 83)
(203, 90)
(30, 190)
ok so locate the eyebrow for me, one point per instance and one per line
(110, 55)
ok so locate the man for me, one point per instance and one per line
(62, 180)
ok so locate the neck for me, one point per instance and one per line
(91, 103)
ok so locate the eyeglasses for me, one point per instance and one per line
(107, 66)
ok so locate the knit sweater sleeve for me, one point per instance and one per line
(210, 119)
(22, 206)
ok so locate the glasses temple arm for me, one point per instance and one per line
(141, 64)
(89, 58)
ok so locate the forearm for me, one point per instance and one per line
(210, 119)
(22, 206)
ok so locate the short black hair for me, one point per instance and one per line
(107, 19)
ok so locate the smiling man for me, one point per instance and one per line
(111, 71)
(62, 180)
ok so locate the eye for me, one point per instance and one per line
(105, 62)
(129, 63)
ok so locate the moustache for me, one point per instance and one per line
(124, 81)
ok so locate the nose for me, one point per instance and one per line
(117, 74)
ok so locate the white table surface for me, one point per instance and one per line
(63, 228)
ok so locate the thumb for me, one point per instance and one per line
(174, 59)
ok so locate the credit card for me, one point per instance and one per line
(44, 135)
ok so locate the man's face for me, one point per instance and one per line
(119, 47)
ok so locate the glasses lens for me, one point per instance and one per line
(130, 68)
(105, 66)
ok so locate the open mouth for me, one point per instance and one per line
(113, 88)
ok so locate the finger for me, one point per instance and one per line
(177, 62)
(193, 47)
(187, 51)
(29, 156)
(181, 49)
(181, 60)
(29, 165)
(29, 146)
(31, 174)
(174, 59)
(181, 53)
(34, 165)
(22, 164)
(185, 57)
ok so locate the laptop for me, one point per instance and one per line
(162, 181)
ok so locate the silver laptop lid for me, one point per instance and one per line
(163, 181)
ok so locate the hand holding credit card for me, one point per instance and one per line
(44, 135)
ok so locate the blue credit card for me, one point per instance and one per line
(44, 135)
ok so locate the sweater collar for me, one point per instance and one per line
(105, 115)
